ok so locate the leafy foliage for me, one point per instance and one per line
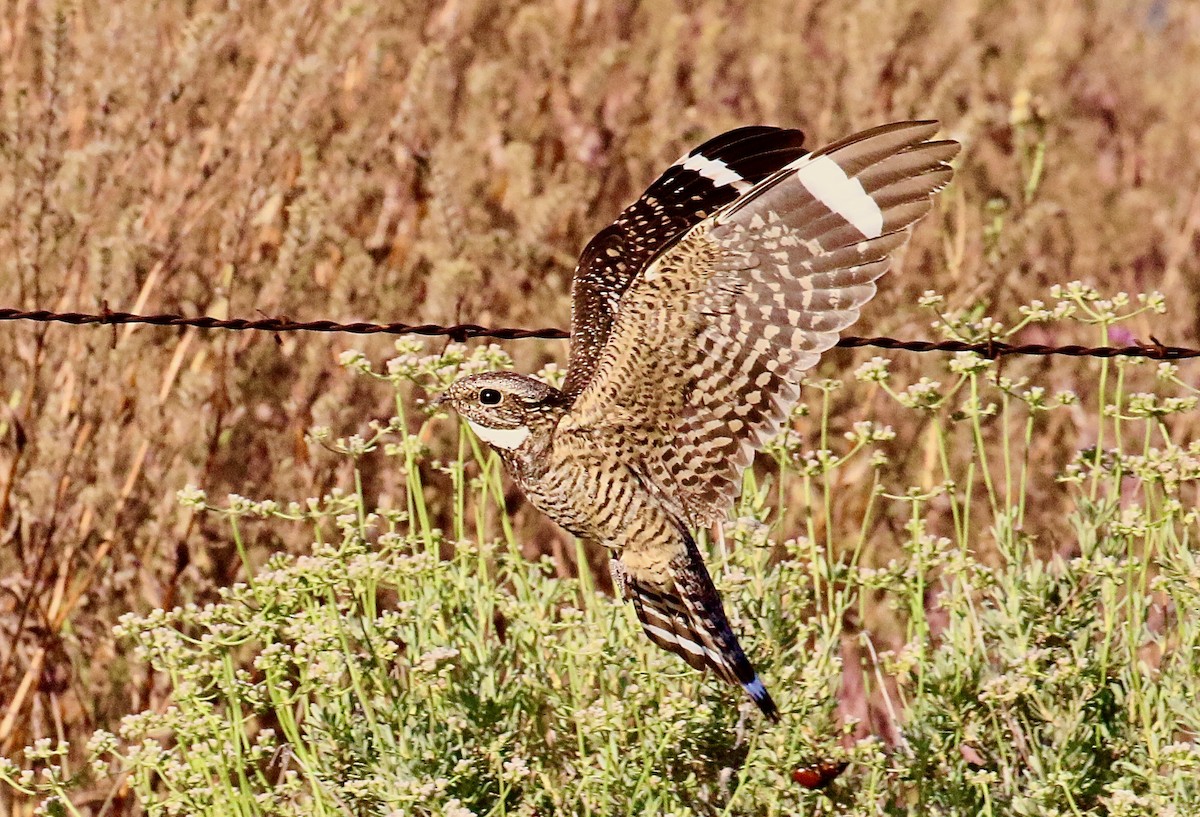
(446, 161)
(398, 669)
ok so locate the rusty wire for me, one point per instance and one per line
(461, 332)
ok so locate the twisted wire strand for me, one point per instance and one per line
(991, 349)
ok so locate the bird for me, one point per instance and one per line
(694, 316)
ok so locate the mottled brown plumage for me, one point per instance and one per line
(695, 316)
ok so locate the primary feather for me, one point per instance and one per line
(694, 187)
(705, 358)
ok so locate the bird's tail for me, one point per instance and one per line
(686, 617)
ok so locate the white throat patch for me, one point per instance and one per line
(506, 438)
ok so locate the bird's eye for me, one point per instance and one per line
(490, 397)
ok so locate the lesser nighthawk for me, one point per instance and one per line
(694, 317)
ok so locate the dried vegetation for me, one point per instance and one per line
(444, 162)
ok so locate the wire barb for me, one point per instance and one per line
(992, 349)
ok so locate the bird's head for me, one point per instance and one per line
(504, 408)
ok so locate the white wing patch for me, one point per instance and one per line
(506, 438)
(716, 172)
(830, 185)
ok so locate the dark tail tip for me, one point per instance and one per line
(758, 693)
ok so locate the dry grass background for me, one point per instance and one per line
(443, 162)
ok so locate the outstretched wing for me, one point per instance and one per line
(707, 351)
(696, 186)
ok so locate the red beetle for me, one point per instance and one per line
(820, 774)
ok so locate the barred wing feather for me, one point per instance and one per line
(693, 188)
(707, 350)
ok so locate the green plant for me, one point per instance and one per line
(401, 669)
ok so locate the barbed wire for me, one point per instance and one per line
(461, 332)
